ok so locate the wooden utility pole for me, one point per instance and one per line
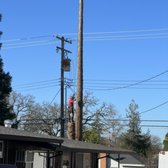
(79, 97)
(63, 52)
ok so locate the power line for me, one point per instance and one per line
(85, 39)
(95, 36)
(86, 88)
(141, 120)
(128, 31)
(30, 42)
(137, 83)
(33, 45)
(54, 83)
(27, 38)
(96, 85)
(85, 34)
(153, 108)
(155, 126)
(54, 97)
(127, 38)
(98, 81)
(36, 122)
(146, 80)
(130, 88)
(37, 83)
(37, 88)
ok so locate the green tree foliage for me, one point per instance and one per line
(165, 142)
(5, 90)
(134, 139)
(92, 135)
(99, 120)
(134, 119)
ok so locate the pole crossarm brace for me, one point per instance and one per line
(65, 51)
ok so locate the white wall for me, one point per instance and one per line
(39, 161)
(163, 159)
(114, 164)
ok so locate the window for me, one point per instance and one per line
(29, 159)
(79, 160)
(26, 157)
(29, 156)
(20, 156)
(1, 149)
(29, 165)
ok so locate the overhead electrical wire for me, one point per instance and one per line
(155, 126)
(136, 83)
(145, 111)
(37, 88)
(31, 42)
(38, 82)
(85, 34)
(92, 87)
(54, 97)
(27, 38)
(102, 85)
(37, 85)
(37, 121)
(49, 42)
(128, 31)
(31, 45)
(156, 107)
(95, 36)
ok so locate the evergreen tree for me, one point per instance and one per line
(5, 90)
(133, 139)
(165, 142)
(93, 134)
(134, 119)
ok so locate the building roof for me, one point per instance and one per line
(14, 134)
(66, 144)
(80, 146)
(129, 158)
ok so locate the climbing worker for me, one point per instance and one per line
(71, 108)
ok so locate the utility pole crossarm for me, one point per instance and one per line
(65, 40)
(65, 51)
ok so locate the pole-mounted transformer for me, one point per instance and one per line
(66, 64)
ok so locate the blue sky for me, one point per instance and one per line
(124, 41)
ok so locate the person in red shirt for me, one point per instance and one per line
(71, 108)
